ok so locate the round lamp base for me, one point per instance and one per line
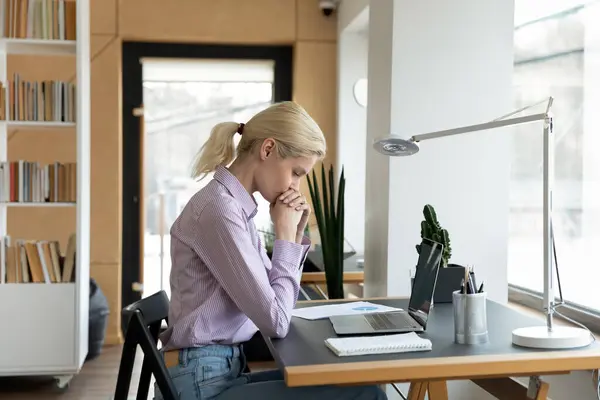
(561, 337)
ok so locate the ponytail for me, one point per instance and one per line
(294, 131)
(219, 149)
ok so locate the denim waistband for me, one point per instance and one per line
(211, 350)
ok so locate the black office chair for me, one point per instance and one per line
(144, 318)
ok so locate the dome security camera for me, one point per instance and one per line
(327, 6)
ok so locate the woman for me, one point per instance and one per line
(224, 288)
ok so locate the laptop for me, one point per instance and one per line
(421, 297)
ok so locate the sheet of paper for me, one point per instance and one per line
(357, 307)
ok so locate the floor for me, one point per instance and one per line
(96, 381)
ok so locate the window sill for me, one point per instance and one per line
(531, 304)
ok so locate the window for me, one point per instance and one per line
(556, 54)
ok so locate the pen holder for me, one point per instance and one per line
(470, 318)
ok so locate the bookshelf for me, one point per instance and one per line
(45, 320)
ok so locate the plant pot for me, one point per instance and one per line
(448, 280)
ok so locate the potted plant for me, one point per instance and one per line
(449, 275)
(328, 208)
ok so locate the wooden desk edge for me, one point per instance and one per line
(446, 368)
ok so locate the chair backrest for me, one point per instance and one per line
(144, 319)
(154, 309)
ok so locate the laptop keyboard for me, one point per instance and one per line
(390, 321)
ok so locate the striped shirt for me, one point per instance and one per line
(223, 286)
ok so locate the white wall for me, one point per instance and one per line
(352, 132)
(449, 69)
(435, 65)
(349, 13)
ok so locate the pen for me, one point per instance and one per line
(472, 274)
(480, 288)
(472, 285)
(462, 286)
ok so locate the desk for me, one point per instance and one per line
(306, 361)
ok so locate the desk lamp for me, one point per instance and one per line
(550, 336)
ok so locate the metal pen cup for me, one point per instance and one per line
(470, 317)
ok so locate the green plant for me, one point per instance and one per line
(329, 213)
(432, 230)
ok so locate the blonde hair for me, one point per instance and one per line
(295, 134)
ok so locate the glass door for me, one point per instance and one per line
(183, 100)
(173, 94)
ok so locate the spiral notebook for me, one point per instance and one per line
(384, 344)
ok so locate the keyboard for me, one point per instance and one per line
(400, 320)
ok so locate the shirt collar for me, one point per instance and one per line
(239, 192)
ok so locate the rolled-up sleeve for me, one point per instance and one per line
(266, 296)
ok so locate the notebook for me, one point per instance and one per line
(384, 344)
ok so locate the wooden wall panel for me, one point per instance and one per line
(106, 155)
(208, 21)
(108, 277)
(315, 87)
(312, 24)
(103, 17)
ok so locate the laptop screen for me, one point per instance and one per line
(425, 278)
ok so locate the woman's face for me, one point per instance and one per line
(275, 175)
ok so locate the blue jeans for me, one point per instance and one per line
(216, 372)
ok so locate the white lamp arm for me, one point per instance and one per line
(481, 127)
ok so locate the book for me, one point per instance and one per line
(36, 261)
(361, 345)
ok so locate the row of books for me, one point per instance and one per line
(36, 261)
(26, 181)
(38, 101)
(38, 19)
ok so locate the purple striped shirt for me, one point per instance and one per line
(223, 286)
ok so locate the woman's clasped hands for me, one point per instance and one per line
(290, 214)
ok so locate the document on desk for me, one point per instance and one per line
(326, 311)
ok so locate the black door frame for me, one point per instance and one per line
(132, 98)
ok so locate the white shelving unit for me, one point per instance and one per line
(45, 326)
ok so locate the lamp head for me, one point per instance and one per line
(396, 146)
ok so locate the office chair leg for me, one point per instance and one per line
(146, 374)
(126, 367)
(145, 379)
(161, 374)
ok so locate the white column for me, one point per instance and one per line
(434, 65)
(352, 130)
(377, 175)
